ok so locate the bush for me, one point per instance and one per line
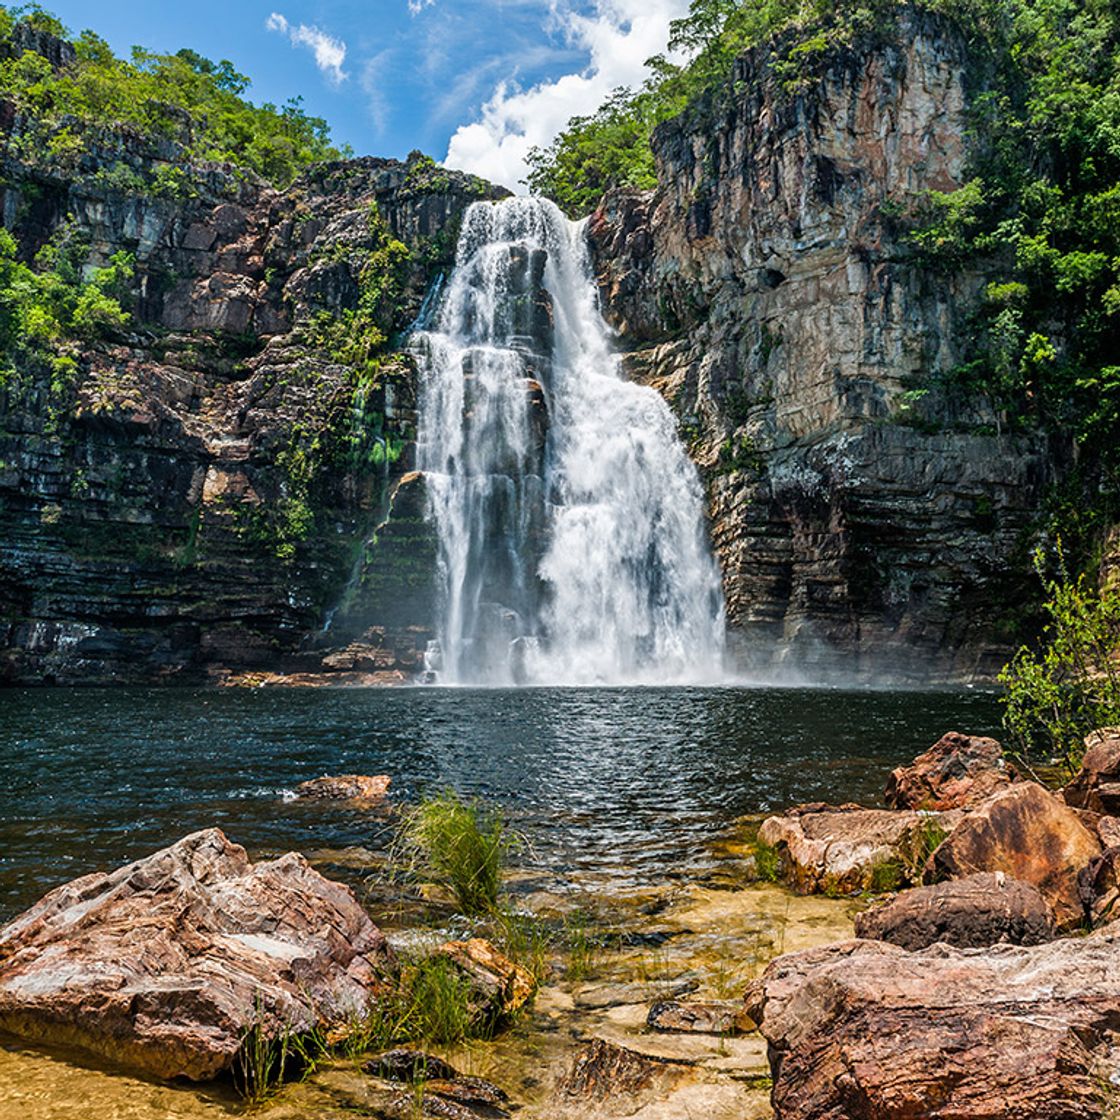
(460, 845)
(1058, 693)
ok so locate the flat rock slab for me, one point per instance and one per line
(864, 1030)
(957, 772)
(1030, 835)
(370, 789)
(723, 1017)
(974, 912)
(842, 848)
(164, 965)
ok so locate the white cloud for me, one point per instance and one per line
(417, 6)
(329, 52)
(618, 38)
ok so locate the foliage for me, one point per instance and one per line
(767, 862)
(1060, 692)
(49, 308)
(459, 844)
(183, 97)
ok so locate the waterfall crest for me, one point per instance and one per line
(572, 544)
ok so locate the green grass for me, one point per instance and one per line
(460, 845)
(767, 862)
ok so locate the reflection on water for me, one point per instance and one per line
(629, 780)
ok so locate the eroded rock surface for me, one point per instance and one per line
(1096, 786)
(848, 848)
(1028, 834)
(974, 912)
(867, 1031)
(163, 966)
(957, 772)
(498, 986)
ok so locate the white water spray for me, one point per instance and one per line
(572, 544)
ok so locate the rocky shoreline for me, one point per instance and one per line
(981, 984)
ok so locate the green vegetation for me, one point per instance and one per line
(459, 844)
(48, 309)
(184, 98)
(1058, 693)
(767, 862)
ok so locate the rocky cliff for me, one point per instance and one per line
(865, 521)
(197, 494)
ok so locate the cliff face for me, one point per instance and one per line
(197, 494)
(864, 520)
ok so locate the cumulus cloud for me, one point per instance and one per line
(329, 52)
(617, 38)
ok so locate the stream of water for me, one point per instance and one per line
(573, 547)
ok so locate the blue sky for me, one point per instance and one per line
(471, 83)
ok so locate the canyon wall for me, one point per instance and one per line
(866, 520)
(197, 493)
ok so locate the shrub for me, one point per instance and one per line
(459, 844)
(1058, 693)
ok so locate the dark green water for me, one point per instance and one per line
(632, 780)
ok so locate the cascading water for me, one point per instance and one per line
(572, 545)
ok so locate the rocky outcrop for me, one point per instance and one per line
(166, 965)
(1030, 835)
(199, 493)
(496, 986)
(1096, 786)
(865, 519)
(723, 1017)
(970, 913)
(848, 848)
(957, 772)
(867, 1031)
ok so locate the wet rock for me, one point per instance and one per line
(846, 848)
(602, 1070)
(957, 772)
(405, 1064)
(867, 1031)
(700, 1017)
(973, 912)
(481, 1096)
(1096, 786)
(1028, 834)
(164, 965)
(345, 787)
(498, 986)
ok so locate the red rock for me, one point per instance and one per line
(843, 849)
(345, 787)
(974, 912)
(163, 966)
(867, 1031)
(699, 1017)
(498, 986)
(957, 772)
(1096, 786)
(1028, 834)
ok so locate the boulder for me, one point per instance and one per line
(974, 912)
(498, 986)
(864, 1030)
(165, 965)
(957, 772)
(848, 848)
(1096, 786)
(1028, 834)
(1099, 887)
(699, 1017)
(345, 787)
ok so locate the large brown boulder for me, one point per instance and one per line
(973, 912)
(958, 771)
(359, 788)
(864, 1030)
(849, 848)
(1028, 834)
(164, 965)
(1096, 786)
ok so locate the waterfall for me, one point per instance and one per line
(572, 542)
